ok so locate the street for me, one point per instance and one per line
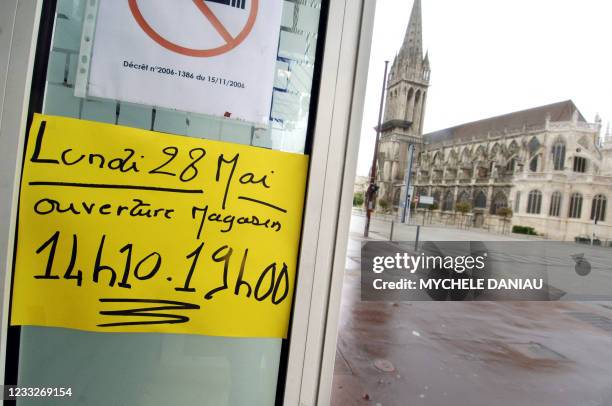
(475, 353)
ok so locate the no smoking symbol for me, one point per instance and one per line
(231, 42)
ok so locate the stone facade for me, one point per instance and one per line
(547, 164)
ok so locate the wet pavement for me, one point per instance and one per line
(468, 353)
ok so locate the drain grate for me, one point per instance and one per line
(595, 320)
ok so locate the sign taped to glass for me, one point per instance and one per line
(127, 230)
(215, 57)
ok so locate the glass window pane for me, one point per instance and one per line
(156, 369)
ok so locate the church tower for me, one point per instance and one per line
(404, 114)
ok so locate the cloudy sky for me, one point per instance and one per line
(495, 57)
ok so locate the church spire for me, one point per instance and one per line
(413, 41)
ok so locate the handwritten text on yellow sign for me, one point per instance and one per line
(127, 230)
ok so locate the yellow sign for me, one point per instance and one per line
(127, 230)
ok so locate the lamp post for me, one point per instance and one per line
(408, 196)
(372, 187)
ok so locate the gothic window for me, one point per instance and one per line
(464, 197)
(408, 104)
(499, 201)
(511, 165)
(448, 201)
(517, 202)
(534, 202)
(558, 152)
(513, 148)
(580, 164)
(533, 164)
(534, 145)
(436, 197)
(598, 208)
(437, 158)
(481, 153)
(575, 207)
(495, 151)
(481, 200)
(555, 204)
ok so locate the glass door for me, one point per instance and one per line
(153, 368)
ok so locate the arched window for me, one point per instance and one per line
(555, 204)
(517, 202)
(534, 145)
(558, 152)
(417, 96)
(408, 101)
(499, 201)
(436, 197)
(511, 165)
(481, 200)
(448, 201)
(494, 151)
(575, 207)
(533, 164)
(598, 208)
(534, 202)
(437, 158)
(580, 164)
(464, 197)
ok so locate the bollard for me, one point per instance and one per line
(391, 234)
(416, 241)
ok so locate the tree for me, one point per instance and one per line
(505, 213)
(358, 199)
(383, 204)
(463, 208)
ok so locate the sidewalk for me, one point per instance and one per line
(470, 353)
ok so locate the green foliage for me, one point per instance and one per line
(434, 206)
(463, 207)
(524, 230)
(383, 204)
(358, 199)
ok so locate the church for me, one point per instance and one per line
(546, 166)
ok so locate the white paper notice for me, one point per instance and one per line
(215, 57)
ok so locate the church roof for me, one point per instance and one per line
(562, 111)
